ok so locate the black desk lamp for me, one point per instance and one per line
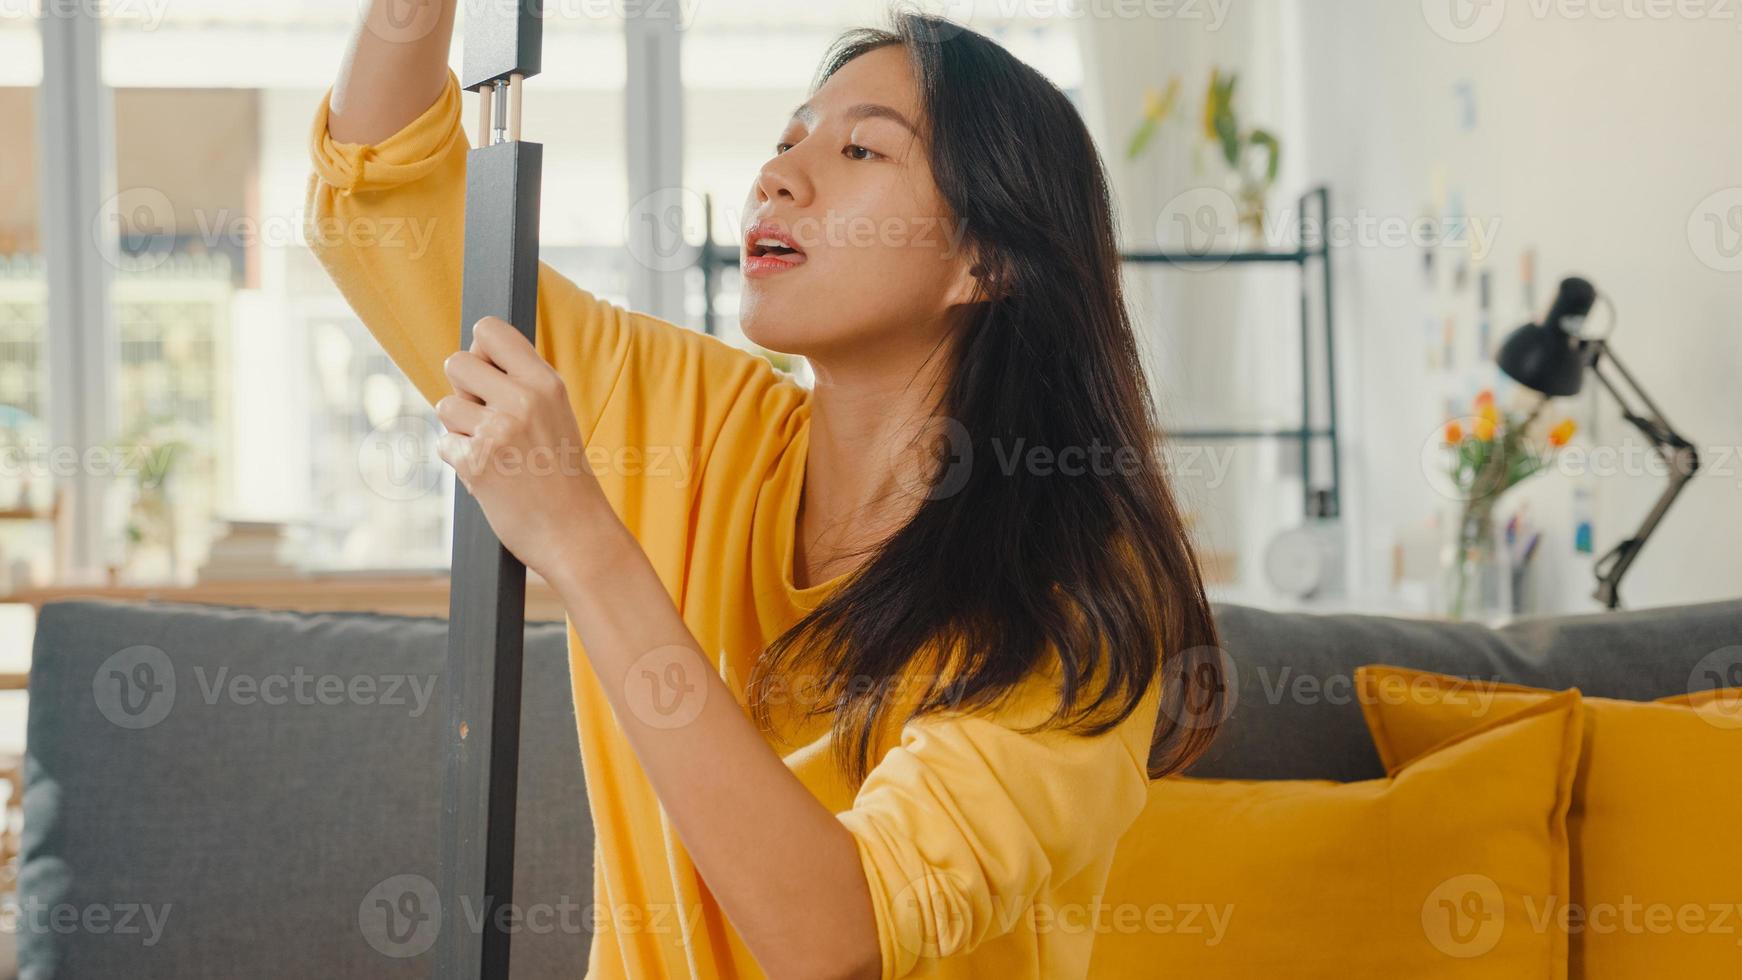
(1552, 359)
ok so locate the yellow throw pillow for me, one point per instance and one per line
(1722, 706)
(1657, 876)
(1425, 874)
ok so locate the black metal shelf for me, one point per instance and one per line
(713, 258)
(1219, 258)
(729, 258)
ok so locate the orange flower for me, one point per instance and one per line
(1562, 434)
(1484, 397)
(1485, 428)
(1454, 433)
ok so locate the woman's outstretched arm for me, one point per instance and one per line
(385, 217)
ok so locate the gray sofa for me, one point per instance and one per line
(220, 793)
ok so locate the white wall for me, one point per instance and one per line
(1220, 345)
(1598, 142)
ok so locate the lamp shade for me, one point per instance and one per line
(1543, 357)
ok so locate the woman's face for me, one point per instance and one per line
(880, 262)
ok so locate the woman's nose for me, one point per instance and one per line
(781, 177)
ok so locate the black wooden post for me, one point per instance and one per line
(487, 602)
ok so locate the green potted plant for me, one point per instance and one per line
(154, 451)
(1252, 155)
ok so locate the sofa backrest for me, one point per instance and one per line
(220, 793)
(1293, 713)
(216, 792)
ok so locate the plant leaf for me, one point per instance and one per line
(1264, 138)
(1140, 139)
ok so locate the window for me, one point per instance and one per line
(26, 486)
(240, 366)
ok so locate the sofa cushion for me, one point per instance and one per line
(1429, 873)
(1650, 895)
(1293, 714)
(216, 792)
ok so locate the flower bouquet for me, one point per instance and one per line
(1490, 452)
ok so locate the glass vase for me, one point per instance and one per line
(1476, 579)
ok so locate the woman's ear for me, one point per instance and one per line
(978, 281)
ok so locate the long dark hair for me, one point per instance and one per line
(1006, 568)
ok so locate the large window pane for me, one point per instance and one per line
(26, 486)
(239, 360)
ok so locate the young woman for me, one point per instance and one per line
(870, 677)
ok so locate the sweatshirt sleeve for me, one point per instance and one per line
(967, 820)
(387, 222)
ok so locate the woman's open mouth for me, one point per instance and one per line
(768, 250)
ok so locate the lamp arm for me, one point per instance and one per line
(1670, 446)
(1597, 353)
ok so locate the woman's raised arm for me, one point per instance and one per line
(385, 217)
(393, 70)
(386, 207)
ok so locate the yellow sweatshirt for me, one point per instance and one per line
(986, 849)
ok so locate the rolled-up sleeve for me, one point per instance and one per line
(967, 820)
(386, 220)
(426, 144)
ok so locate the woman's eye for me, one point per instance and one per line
(854, 151)
(780, 148)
